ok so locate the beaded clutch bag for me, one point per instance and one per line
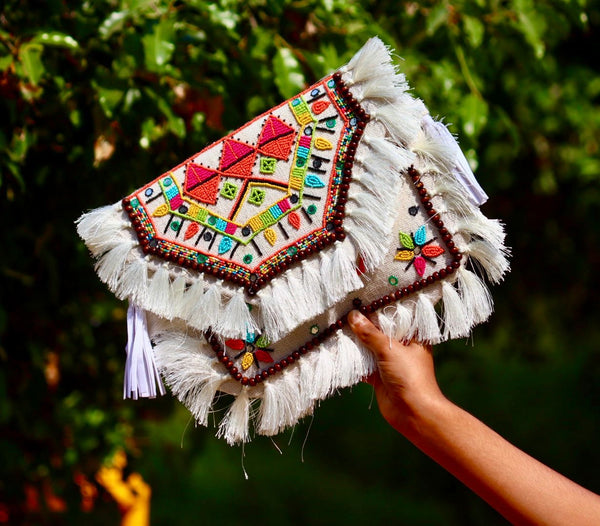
(241, 263)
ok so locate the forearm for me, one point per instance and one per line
(519, 487)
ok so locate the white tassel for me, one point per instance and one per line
(385, 320)
(350, 363)
(141, 375)
(159, 298)
(134, 281)
(199, 399)
(110, 266)
(211, 305)
(236, 320)
(324, 373)
(178, 296)
(457, 322)
(301, 294)
(490, 258)
(401, 119)
(477, 225)
(372, 61)
(313, 281)
(101, 228)
(460, 166)
(387, 152)
(454, 196)
(433, 152)
(193, 297)
(402, 322)
(277, 309)
(187, 370)
(341, 274)
(234, 426)
(425, 321)
(281, 404)
(475, 296)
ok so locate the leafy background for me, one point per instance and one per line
(97, 98)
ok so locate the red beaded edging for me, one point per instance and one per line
(257, 281)
(375, 305)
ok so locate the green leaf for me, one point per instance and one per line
(30, 55)
(159, 46)
(262, 342)
(406, 240)
(437, 17)
(474, 30)
(113, 23)
(56, 39)
(288, 73)
(474, 111)
(6, 62)
(109, 97)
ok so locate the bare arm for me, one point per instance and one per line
(519, 487)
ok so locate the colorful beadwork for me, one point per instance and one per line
(253, 350)
(267, 165)
(290, 167)
(417, 250)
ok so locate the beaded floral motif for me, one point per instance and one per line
(417, 250)
(271, 193)
(253, 349)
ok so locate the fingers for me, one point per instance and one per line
(370, 335)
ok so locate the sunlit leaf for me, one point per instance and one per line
(288, 73)
(56, 39)
(159, 46)
(30, 55)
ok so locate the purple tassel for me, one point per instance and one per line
(141, 375)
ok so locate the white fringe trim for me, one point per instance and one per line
(194, 375)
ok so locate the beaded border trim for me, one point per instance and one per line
(375, 305)
(332, 230)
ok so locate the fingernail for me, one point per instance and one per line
(355, 317)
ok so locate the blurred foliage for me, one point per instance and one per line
(97, 98)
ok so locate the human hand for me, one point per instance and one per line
(404, 383)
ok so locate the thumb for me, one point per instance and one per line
(368, 334)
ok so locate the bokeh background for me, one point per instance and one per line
(97, 98)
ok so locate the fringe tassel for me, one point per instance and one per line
(192, 310)
(236, 320)
(340, 275)
(457, 323)
(380, 158)
(282, 404)
(323, 374)
(475, 296)
(134, 281)
(211, 305)
(425, 320)
(178, 296)
(402, 319)
(402, 120)
(141, 377)
(351, 364)
(234, 426)
(460, 166)
(372, 64)
(159, 299)
(477, 225)
(313, 281)
(490, 258)
(187, 371)
(102, 228)
(110, 266)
